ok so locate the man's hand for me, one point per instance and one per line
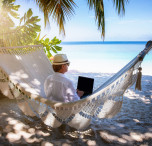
(80, 93)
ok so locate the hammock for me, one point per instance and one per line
(24, 69)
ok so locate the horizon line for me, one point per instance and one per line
(101, 42)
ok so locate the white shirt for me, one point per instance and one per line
(59, 88)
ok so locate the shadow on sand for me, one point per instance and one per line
(132, 126)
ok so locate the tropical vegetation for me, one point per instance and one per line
(25, 30)
(49, 45)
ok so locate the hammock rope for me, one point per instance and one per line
(23, 70)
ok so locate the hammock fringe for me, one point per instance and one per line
(138, 82)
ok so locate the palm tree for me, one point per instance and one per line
(24, 33)
(8, 11)
(61, 9)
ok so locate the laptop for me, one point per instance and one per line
(85, 84)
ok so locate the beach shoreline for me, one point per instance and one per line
(132, 126)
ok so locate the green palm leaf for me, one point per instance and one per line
(60, 10)
(98, 7)
(120, 5)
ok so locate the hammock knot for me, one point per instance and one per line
(138, 81)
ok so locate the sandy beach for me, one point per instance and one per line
(132, 126)
(96, 39)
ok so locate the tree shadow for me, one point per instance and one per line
(17, 129)
(132, 126)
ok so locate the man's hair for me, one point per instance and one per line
(57, 68)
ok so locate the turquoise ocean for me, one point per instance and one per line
(105, 57)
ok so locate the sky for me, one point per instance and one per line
(135, 25)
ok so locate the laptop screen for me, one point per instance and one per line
(85, 84)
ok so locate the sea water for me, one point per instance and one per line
(101, 60)
(104, 57)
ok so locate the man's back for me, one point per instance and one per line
(59, 88)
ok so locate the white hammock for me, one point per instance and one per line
(24, 69)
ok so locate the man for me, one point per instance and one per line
(57, 87)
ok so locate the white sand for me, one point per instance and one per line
(132, 126)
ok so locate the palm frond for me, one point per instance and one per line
(98, 7)
(120, 6)
(59, 10)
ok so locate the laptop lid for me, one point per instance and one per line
(85, 84)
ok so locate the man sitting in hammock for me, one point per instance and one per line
(57, 87)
